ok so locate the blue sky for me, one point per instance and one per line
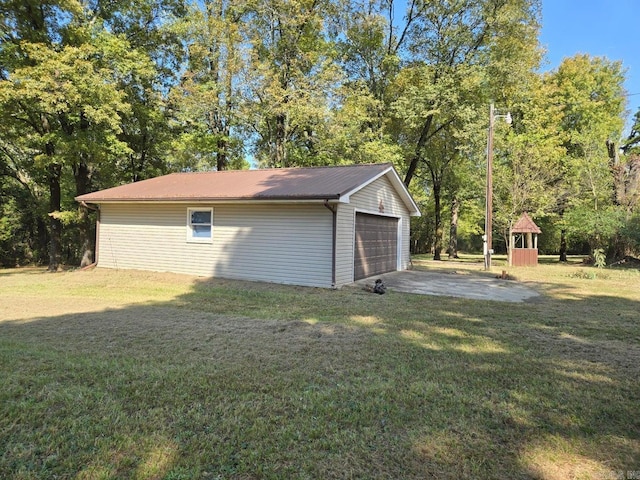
(606, 28)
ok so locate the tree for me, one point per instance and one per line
(22, 230)
(294, 77)
(448, 104)
(627, 169)
(72, 110)
(431, 72)
(149, 28)
(465, 188)
(632, 144)
(64, 87)
(369, 47)
(453, 40)
(209, 96)
(593, 98)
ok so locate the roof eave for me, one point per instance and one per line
(301, 199)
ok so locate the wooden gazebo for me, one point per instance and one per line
(523, 245)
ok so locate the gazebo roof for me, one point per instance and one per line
(525, 225)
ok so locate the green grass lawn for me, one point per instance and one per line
(119, 374)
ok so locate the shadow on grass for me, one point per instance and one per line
(248, 380)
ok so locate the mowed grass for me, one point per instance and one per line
(120, 374)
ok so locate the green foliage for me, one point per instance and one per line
(527, 157)
(73, 97)
(294, 78)
(599, 258)
(594, 226)
(350, 133)
(12, 244)
(67, 217)
(630, 232)
(591, 91)
(208, 98)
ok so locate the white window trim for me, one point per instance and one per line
(190, 237)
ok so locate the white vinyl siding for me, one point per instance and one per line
(276, 243)
(369, 200)
(344, 244)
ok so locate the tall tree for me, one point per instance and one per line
(448, 103)
(592, 94)
(63, 82)
(459, 40)
(627, 170)
(149, 28)
(23, 234)
(294, 77)
(71, 110)
(455, 59)
(209, 96)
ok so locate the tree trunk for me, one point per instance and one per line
(510, 245)
(138, 164)
(617, 195)
(82, 176)
(280, 153)
(55, 226)
(43, 241)
(413, 165)
(437, 244)
(563, 245)
(453, 229)
(221, 155)
(87, 239)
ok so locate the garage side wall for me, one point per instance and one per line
(370, 199)
(274, 243)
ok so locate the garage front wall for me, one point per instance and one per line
(378, 195)
(280, 243)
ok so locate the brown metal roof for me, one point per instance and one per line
(318, 183)
(525, 225)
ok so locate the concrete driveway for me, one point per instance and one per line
(477, 286)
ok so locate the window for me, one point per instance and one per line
(200, 225)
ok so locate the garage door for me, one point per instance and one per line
(376, 245)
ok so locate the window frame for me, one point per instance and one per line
(191, 238)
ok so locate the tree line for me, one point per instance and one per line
(95, 94)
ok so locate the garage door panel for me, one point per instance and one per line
(375, 245)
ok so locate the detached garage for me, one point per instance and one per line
(323, 227)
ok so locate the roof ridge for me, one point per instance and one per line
(284, 168)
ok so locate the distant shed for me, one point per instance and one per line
(524, 242)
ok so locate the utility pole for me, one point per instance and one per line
(488, 213)
(488, 217)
